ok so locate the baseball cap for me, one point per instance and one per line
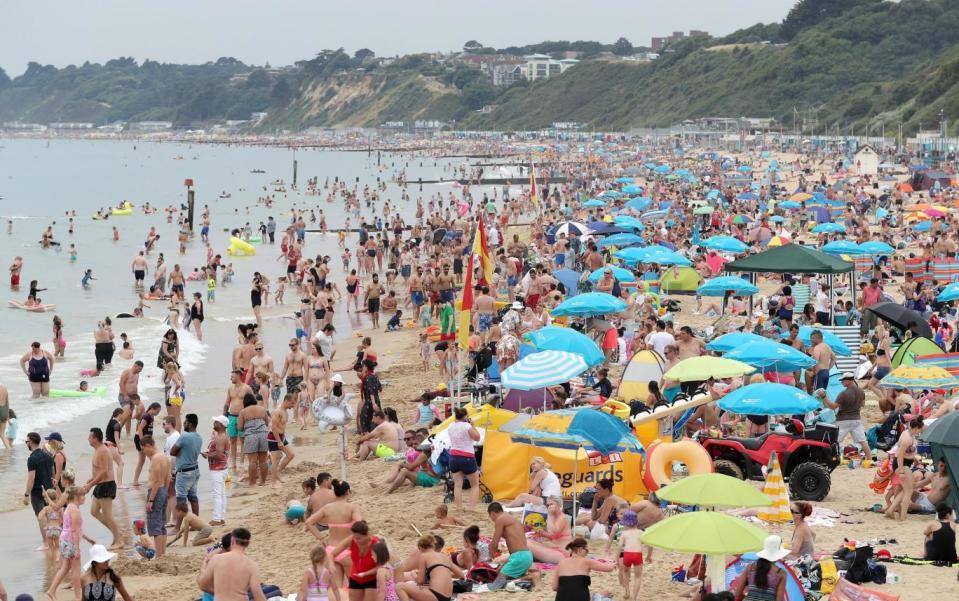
(222, 420)
(139, 525)
(54, 436)
(846, 375)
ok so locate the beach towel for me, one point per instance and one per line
(847, 591)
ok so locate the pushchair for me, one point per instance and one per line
(486, 495)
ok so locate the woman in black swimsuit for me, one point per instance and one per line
(256, 297)
(38, 365)
(435, 573)
(571, 577)
(196, 314)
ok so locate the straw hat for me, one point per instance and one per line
(99, 554)
(773, 549)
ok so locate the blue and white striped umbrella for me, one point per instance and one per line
(546, 368)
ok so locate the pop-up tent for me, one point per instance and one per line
(645, 367)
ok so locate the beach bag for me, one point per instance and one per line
(383, 451)
(534, 517)
(481, 573)
(829, 575)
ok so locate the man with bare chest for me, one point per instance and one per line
(104, 486)
(234, 404)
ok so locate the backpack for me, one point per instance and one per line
(481, 573)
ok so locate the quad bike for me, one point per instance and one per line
(807, 457)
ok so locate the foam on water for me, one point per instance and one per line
(45, 413)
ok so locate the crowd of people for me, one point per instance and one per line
(414, 273)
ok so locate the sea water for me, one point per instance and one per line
(41, 181)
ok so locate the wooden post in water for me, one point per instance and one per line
(294, 173)
(189, 208)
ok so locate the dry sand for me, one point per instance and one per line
(281, 550)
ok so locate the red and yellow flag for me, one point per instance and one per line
(466, 307)
(481, 250)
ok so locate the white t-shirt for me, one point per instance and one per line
(460, 440)
(325, 342)
(170, 441)
(822, 302)
(660, 340)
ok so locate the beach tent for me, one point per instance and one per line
(791, 258)
(680, 280)
(518, 400)
(910, 349)
(943, 436)
(646, 366)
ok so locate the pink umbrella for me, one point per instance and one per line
(934, 212)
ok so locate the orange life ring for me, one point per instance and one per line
(660, 457)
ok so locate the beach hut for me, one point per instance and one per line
(646, 366)
(867, 160)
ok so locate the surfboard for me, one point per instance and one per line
(667, 410)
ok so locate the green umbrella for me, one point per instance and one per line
(700, 369)
(944, 430)
(706, 210)
(713, 490)
(713, 534)
(705, 532)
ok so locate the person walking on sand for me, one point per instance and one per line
(104, 486)
(156, 496)
(232, 576)
(70, 544)
(217, 454)
(38, 366)
(40, 470)
(280, 453)
(187, 467)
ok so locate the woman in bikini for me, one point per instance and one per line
(902, 464)
(318, 376)
(550, 547)
(338, 516)
(435, 573)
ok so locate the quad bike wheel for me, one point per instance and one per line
(809, 482)
(725, 466)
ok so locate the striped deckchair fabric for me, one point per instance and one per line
(801, 296)
(918, 268)
(945, 271)
(947, 361)
(863, 264)
(850, 336)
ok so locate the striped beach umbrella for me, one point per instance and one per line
(776, 491)
(546, 368)
(919, 378)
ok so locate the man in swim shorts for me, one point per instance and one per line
(234, 404)
(139, 269)
(295, 367)
(520, 557)
(104, 486)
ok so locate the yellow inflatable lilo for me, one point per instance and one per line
(240, 248)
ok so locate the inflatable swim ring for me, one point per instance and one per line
(240, 248)
(661, 455)
(101, 391)
(256, 240)
(617, 408)
(126, 211)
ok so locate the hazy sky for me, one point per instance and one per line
(61, 32)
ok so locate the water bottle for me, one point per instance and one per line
(893, 578)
